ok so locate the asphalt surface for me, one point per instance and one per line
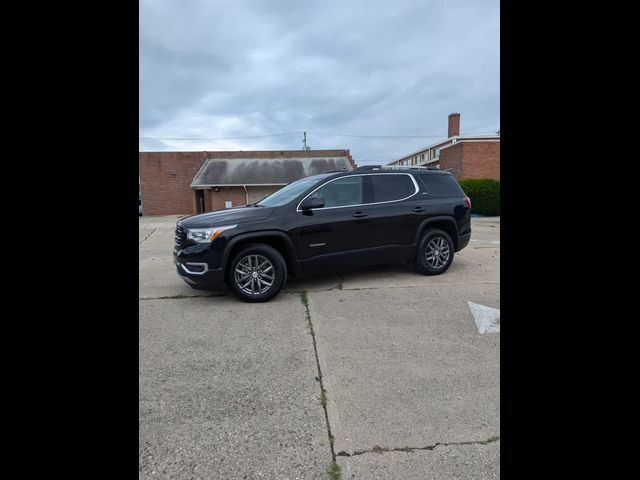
(232, 390)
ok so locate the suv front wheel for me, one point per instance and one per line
(257, 273)
(435, 252)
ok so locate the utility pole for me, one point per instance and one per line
(304, 142)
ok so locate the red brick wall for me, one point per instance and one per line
(481, 160)
(451, 157)
(472, 160)
(234, 194)
(165, 178)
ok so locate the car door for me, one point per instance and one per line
(331, 237)
(396, 211)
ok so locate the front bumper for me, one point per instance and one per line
(198, 274)
(200, 265)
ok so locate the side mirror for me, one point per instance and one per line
(310, 203)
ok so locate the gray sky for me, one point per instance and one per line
(212, 69)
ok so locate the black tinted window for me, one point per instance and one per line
(289, 192)
(441, 185)
(342, 192)
(391, 187)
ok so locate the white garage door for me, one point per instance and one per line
(256, 194)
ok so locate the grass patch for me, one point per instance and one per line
(305, 301)
(333, 471)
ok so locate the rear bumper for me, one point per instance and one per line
(463, 241)
(199, 275)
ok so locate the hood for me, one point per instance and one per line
(230, 216)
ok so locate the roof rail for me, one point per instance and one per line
(369, 167)
(408, 167)
(395, 167)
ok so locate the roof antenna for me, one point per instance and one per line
(304, 142)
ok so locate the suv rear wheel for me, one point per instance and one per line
(257, 273)
(435, 252)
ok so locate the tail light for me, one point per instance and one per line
(467, 202)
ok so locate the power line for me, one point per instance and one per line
(314, 133)
(377, 136)
(220, 138)
(394, 136)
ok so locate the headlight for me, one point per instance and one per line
(206, 235)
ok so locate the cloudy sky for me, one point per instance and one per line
(346, 71)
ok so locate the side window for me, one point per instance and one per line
(391, 187)
(341, 193)
(439, 184)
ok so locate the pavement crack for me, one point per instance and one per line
(323, 393)
(377, 449)
(174, 297)
(145, 238)
(386, 287)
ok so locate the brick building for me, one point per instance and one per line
(465, 156)
(175, 183)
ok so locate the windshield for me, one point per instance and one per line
(290, 192)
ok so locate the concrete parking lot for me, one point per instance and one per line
(381, 368)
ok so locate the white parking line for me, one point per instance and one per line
(487, 318)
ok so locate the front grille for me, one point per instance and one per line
(181, 235)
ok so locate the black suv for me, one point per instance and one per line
(326, 222)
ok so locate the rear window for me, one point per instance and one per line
(444, 185)
(391, 187)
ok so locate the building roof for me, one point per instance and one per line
(452, 140)
(225, 172)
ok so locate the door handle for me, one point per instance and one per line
(418, 209)
(359, 214)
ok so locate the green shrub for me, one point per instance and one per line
(484, 194)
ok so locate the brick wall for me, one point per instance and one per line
(165, 181)
(234, 194)
(165, 178)
(451, 158)
(481, 160)
(472, 160)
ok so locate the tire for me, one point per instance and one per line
(256, 262)
(438, 243)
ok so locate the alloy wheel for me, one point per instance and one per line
(437, 252)
(254, 274)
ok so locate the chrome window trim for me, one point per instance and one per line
(206, 268)
(415, 184)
